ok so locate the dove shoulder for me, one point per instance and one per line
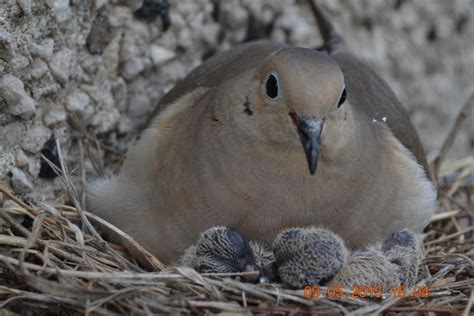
(374, 101)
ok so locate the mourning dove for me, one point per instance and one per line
(265, 137)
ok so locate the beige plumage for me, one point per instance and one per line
(236, 142)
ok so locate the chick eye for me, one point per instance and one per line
(271, 86)
(343, 98)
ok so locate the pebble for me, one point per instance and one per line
(19, 62)
(7, 161)
(100, 34)
(60, 65)
(38, 69)
(34, 138)
(20, 182)
(77, 101)
(60, 9)
(7, 45)
(13, 92)
(137, 105)
(54, 116)
(22, 159)
(120, 92)
(132, 68)
(160, 54)
(11, 135)
(112, 58)
(43, 50)
(133, 4)
(119, 16)
(91, 64)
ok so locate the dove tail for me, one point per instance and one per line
(332, 40)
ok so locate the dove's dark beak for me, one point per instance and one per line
(310, 135)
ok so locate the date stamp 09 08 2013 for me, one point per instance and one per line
(376, 291)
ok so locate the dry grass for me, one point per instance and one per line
(52, 260)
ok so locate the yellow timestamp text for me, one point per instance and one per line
(356, 291)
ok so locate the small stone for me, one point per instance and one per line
(112, 58)
(133, 4)
(174, 70)
(25, 6)
(44, 87)
(7, 45)
(120, 92)
(43, 50)
(11, 135)
(60, 9)
(34, 138)
(124, 126)
(160, 54)
(77, 101)
(105, 120)
(7, 161)
(129, 50)
(132, 68)
(91, 64)
(119, 16)
(100, 3)
(38, 69)
(60, 65)
(13, 92)
(185, 38)
(100, 34)
(20, 182)
(22, 159)
(54, 116)
(19, 62)
(138, 105)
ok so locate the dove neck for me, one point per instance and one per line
(252, 163)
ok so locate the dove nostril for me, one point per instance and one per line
(294, 118)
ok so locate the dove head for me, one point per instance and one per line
(297, 93)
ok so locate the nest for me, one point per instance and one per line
(53, 260)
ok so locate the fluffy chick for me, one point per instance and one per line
(390, 264)
(222, 250)
(308, 256)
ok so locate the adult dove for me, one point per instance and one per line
(265, 137)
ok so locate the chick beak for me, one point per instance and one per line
(310, 135)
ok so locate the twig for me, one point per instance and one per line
(463, 114)
(467, 310)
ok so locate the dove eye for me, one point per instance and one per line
(272, 86)
(343, 98)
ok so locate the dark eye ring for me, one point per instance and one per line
(272, 86)
(342, 99)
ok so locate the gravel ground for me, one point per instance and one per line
(92, 70)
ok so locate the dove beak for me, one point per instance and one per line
(310, 136)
